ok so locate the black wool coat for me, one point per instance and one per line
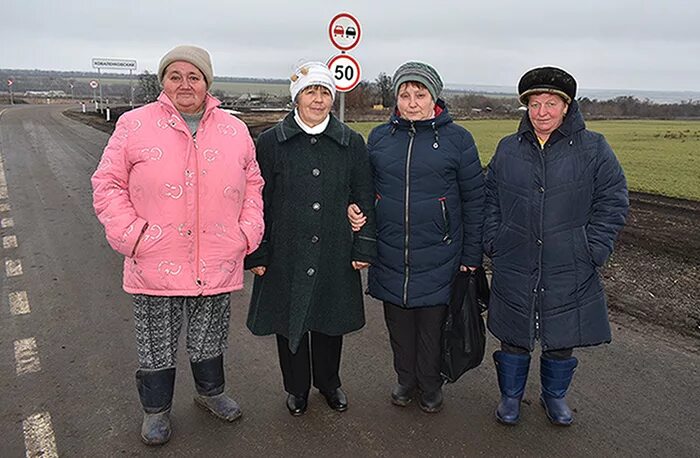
(308, 246)
(552, 216)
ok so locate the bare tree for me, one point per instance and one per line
(148, 88)
(384, 90)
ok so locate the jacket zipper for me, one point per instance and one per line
(538, 289)
(198, 262)
(412, 135)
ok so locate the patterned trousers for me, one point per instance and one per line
(158, 320)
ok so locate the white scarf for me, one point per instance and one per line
(317, 129)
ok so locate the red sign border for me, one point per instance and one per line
(330, 31)
(359, 71)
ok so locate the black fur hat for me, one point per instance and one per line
(547, 79)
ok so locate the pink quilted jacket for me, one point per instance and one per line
(194, 206)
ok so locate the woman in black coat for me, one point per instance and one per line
(556, 198)
(307, 284)
(429, 207)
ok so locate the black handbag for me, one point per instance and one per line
(463, 331)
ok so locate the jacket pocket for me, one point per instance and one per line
(446, 238)
(583, 248)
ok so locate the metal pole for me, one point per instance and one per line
(131, 89)
(99, 82)
(341, 115)
(12, 98)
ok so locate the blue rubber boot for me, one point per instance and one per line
(556, 376)
(512, 372)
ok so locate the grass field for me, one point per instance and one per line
(660, 157)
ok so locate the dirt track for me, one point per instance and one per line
(654, 274)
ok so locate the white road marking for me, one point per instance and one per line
(39, 438)
(13, 267)
(19, 303)
(4, 207)
(7, 222)
(26, 356)
(9, 241)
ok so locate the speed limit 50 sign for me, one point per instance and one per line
(346, 72)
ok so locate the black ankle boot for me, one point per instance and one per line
(297, 404)
(431, 401)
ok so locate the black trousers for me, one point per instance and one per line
(323, 360)
(564, 353)
(415, 336)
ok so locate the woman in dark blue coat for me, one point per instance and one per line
(556, 198)
(429, 216)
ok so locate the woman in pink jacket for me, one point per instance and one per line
(178, 191)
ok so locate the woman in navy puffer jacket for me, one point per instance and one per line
(429, 215)
(556, 198)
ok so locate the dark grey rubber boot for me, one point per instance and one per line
(209, 380)
(156, 392)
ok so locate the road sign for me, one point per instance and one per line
(346, 72)
(10, 82)
(93, 84)
(124, 64)
(344, 31)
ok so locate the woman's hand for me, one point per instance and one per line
(467, 268)
(259, 270)
(356, 217)
(359, 265)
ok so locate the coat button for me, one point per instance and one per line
(310, 271)
(313, 140)
(314, 239)
(316, 206)
(315, 172)
(539, 242)
(189, 232)
(541, 189)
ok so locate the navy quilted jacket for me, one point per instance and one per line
(552, 216)
(429, 208)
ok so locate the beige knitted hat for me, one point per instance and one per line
(194, 55)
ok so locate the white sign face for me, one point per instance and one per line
(344, 31)
(346, 72)
(10, 82)
(93, 84)
(124, 64)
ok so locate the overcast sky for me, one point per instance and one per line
(616, 44)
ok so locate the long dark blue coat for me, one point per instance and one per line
(552, 216)
(429, 208)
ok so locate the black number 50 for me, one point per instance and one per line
(344, 72)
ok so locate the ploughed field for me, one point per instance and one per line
(654, 274)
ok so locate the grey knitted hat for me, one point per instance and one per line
(420, 72)
(194, 55)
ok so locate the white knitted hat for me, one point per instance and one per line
(311, 74)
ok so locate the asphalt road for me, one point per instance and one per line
(636, 397)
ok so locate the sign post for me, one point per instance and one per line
(9, 88)
(122, 64)
(344, 32)
(93, 85)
